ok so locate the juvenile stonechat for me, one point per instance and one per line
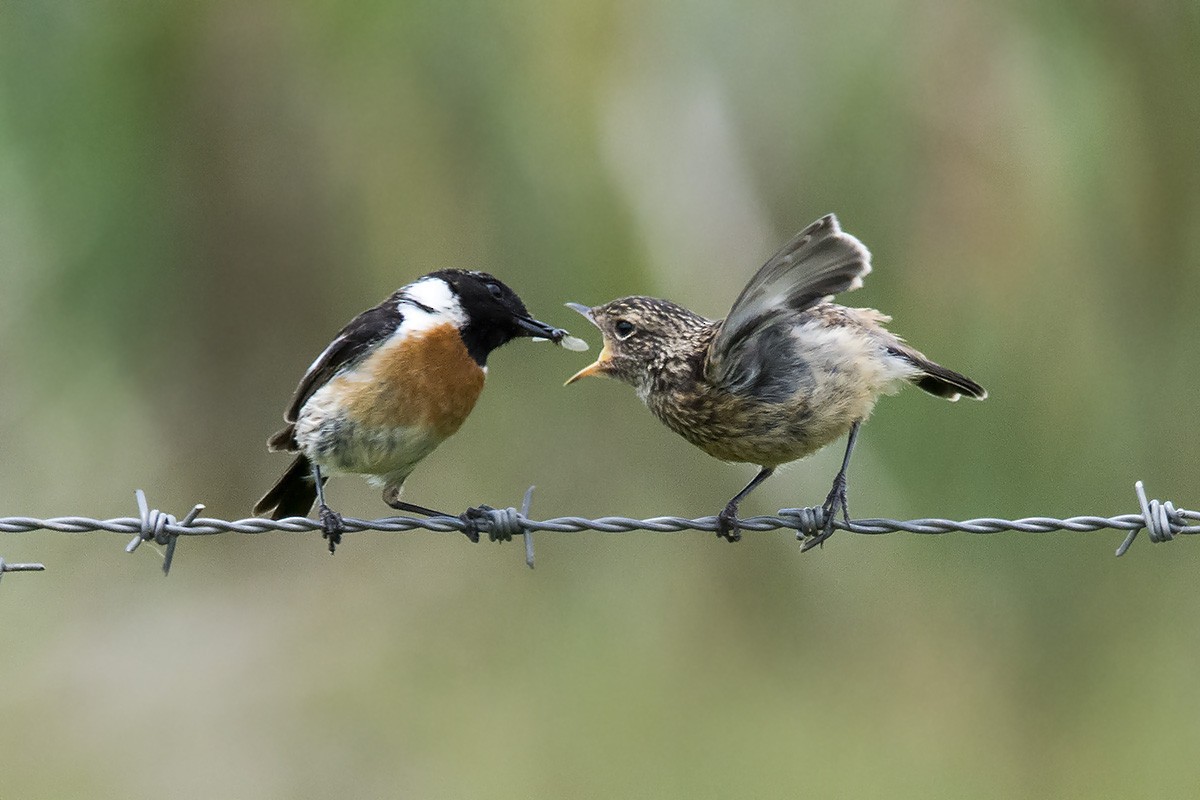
(786, 373)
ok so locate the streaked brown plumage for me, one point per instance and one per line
(786, 373)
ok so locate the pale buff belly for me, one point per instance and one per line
(845, 372)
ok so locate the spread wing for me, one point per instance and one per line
(352, 342)
(818, 262)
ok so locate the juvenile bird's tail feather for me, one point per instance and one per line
(950, 384)
(293, 494)
(938, 380)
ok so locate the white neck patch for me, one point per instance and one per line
(432, 293)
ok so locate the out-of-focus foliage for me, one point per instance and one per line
(195, 196)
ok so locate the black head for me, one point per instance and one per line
(494, 314)
(641, 334)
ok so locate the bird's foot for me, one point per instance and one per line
(835, 500)
(727, 524)
(331, 526)
(501, 524)
(475, 520)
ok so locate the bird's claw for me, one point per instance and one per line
(475, 520)
(331, 526)
(818, 539)
(727, 524)
(835, 500)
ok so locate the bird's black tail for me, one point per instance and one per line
(293, 494)
(938, 380)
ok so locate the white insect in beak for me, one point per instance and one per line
(574, 343)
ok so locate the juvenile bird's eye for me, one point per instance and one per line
(494, 289)
(623, 328)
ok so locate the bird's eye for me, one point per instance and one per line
(494, 288)
(623, 328)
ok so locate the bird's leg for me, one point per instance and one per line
(331, 521)
(391, 496)
(400, 505)
(727, 522)
(837, 496)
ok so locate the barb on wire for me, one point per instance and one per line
(159, 527)
(1162, 521)
(7, 567)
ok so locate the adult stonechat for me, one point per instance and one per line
(395, 383)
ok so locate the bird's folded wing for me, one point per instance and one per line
(351, 343)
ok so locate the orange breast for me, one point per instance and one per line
(426, 379)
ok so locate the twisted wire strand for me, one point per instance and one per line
(1162, 521)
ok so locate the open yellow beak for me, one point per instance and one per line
(598, 367)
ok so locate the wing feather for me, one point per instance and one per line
(352, 342)
(816, 263)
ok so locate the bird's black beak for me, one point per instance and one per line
(532, 327)
(536, 329)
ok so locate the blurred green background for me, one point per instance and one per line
(195, 196)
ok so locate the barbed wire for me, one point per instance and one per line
(1162, 522)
